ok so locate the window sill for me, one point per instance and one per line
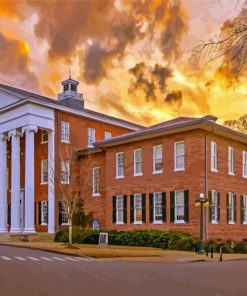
(43, 224)
(157, 172)
(231, 174)
(119, 177)
(245, 223)
(43, 183)
(214, 170)
(214, 222)
(231, 223)
(179, 170)
(44, 142)
(137, 175)
(65, 224)
(65, 142)
(138, 223)
(179, 222)
(245, 177)
(158, 222)
(65, 183)
(119, 223)
(96, 195)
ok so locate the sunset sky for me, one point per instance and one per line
(133, 58)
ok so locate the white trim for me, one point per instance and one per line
(117, 164)
(91, 136)
(135, 221)
(214, 157)
(42, 172)
(140, 161)
(244, 164)
(230, 161)
(42, 135)
(214, 222)
(154, 159)
(158, 222)
(119, 177)
(65, 132)
(155, 194)
(175, 207)
(65, 169)
(117, 209)
(94, 170)
(176, 169)
(179, 222)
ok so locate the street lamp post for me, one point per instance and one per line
(202, 201)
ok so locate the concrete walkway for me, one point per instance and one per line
(125, 253)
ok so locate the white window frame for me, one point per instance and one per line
(231, 195)
(118, 209)
(157, 195)
(44, 212)
(245, 208)
(214, 164)
(244, 154)
(136, 162)
(96, 181)
(137, 206)
(44, 133)
(178, 221)
(157, 160)
(119, 165)
(176, 155)
(64, 213)
(91, 136)
(230, 161)
(215, 206)
(43, 173)
(65, 172)
(65, 132)
(107, 135)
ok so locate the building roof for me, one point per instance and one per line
(176, 125)
(53, 103)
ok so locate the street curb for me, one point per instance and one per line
(47, 250)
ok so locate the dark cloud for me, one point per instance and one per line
(152, 81)
(174, 96)
(15, 62)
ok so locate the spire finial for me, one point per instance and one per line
(69, 73)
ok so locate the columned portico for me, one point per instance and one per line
(29, 131)
(15, 135)
(3, 183)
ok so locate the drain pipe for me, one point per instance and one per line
(206, 185)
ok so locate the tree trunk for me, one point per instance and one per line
(70, 231)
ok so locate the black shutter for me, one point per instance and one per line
(210, 205)
(9, 214)
(172, 206)
(186, 205)
(164, 206)
(132, 208)
(227, 208)
(218, 207)
(235, 208)
(114, 212)
(143, 208)
(125, 208)
(47, 212)
(39, 213)
(151, 207)
(60, 219)
(241, 209)
(35, 213)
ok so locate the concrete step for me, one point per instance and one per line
(45, 237)
(4, 238)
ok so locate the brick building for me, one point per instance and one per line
(135, 177)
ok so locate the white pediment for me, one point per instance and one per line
(8, 98)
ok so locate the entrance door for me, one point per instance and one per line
(22, 209)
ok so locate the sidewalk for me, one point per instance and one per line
(125, 253)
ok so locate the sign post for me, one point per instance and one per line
(103, 239)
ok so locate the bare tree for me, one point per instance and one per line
(67, 183)
(238, 124)
(230, 45)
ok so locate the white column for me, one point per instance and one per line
(3, 184)
(29, 178)
(15, 181)
(51, 183)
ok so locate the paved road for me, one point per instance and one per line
(37, 273)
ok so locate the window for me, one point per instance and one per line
(91, 136)
(73, 87)
(231, 208)
(120, 209)
(214, 206)
(96, 225)
(96, 181)
(64, 132)
(157, 159)
(179, 156)
(44, 171)
(119, 165)
(230, 161)
(138, 162)
(65, 172)
(157, 207)
(243, 201)
(213, 156)
(244, 164)
(44, 212)
(44, 136)
(138, 208)
(179, 207)
(63, 213)
(65, 87)
(107, 135)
